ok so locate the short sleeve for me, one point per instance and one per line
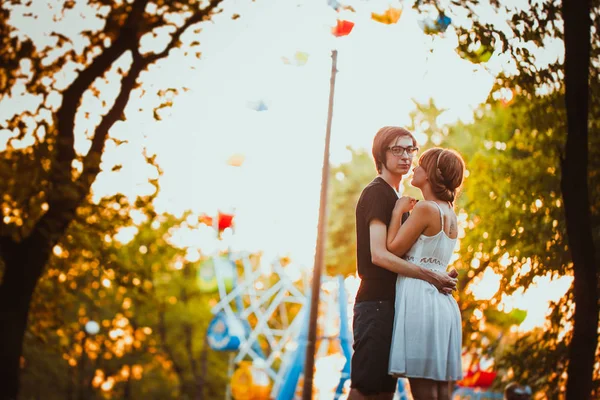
(373, 205)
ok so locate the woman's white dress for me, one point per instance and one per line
(427, 334)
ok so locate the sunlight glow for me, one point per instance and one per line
(486, 286)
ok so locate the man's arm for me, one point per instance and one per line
(382, 257)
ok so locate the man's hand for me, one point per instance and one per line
(444, 282)
(452, 274)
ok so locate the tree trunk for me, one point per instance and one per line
(162, 332)
(574, 186)
(203, 366)
(24, 263)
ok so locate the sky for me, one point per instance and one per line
(382, 70)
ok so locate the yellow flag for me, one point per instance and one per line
(301, 58)
(390, 16)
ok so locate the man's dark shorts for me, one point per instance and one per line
(373, 325)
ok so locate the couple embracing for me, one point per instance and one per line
(406, 322)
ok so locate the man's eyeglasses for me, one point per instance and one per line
(399, 150)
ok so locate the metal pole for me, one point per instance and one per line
(320, 248)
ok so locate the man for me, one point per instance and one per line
(393, 151)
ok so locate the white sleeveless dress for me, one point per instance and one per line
(427, 336)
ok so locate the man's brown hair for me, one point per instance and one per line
(383, 139)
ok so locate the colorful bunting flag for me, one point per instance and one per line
(390, 16)
(205, 219)
(337, 6)
(437, 26)
(259, 105)
(343, 28)
(443, 22)
(225, 221)
(300, 58)
(236, 160)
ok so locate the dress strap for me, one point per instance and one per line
(441, 214)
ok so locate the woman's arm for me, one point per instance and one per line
(395, 223)
(402, 236)
(382, 257)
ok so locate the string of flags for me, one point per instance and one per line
(434, 24)
(222, 221)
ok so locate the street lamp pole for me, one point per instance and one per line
(320, 248)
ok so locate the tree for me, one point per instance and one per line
(58, 178)
(152, 317)
(516, 227)
(575, 191)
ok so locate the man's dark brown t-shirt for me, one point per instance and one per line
(376, 201)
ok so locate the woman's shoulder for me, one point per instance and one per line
(425, 210)
(432, 206)
(425, 206)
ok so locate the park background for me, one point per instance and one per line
(232, 120)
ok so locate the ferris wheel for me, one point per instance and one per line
(261, 319)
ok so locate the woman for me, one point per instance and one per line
(426, 343)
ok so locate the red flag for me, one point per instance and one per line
(225, 221)
(343, 28)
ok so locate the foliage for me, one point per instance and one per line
(153, 319)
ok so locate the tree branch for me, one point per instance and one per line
(63, 207)
(91, 162)
(60, 175)
(198, 16)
